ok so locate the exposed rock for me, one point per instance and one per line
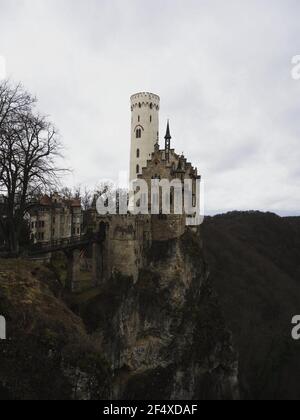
(165, 336)
(161, 337)
(48, 354)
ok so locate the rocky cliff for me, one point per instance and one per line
(165, 337)
(48, 354)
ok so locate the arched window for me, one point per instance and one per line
(137, 169)
(139, 133)
(138, 153)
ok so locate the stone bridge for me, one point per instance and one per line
(72, 248)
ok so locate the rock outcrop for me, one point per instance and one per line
(164, 336)
(48, 354)
(161, 337)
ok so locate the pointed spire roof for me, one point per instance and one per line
(168, 133)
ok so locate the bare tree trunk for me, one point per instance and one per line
(28, 148)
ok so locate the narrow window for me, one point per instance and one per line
(138, 153)
(151, 118)
(137, 169)
(139, 119)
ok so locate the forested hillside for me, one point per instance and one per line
(254, 261)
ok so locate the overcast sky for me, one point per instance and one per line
(221, 68)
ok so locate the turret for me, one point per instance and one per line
(144, 130)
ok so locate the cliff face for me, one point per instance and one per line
(165, 336)
(48, 354)
(162, 337)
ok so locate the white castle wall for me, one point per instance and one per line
(144, 117)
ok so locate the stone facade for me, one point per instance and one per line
(126, 240)
(128, 237)
(55, 218)
(168, 166)
(144, 130)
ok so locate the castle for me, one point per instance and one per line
(127, 237)
(54, 218)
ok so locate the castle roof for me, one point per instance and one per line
(168, 133)
(57, 200)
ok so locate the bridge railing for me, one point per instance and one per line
(60, 243)
(67, 242)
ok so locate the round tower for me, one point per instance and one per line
(144, 130)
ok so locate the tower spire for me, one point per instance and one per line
(168, 139)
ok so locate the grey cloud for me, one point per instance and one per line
(222, 70)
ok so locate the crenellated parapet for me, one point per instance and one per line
(145, 99)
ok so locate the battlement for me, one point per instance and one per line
(145, 99)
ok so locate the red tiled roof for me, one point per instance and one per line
(45, 201)
(76, 202)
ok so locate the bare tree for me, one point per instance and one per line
(29, 147)
(14, 102)
(66, 193)
(105, 189)
(86, 199)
